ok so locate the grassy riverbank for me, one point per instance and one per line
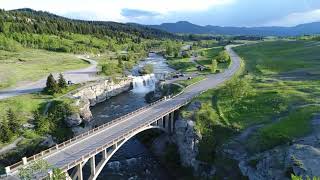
(278, 90)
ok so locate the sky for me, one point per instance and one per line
(202, 12)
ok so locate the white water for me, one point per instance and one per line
(144, 84)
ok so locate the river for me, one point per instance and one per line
(133, 160)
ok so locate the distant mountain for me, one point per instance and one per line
(189, 28)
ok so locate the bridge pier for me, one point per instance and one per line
(77, 173)
(93, 165)
(172, 122)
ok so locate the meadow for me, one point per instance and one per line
(27, 65)
(278, 90)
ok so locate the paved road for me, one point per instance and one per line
(84, 146)
(74, 152)
(76, 76)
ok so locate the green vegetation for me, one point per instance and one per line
(147, 69)
(209, 55)
(28, 65)
(182, 64)
(293, 177)
(188, 82)
(18, 112)
(173, 162)
(278, 89)
(39, 167)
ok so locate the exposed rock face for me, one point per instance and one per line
(48, 142)
(187, 140)
(92, 94)
(305, 160)
(302, 159)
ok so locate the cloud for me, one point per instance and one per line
(114, 10)
(135, 13)
(294, 19)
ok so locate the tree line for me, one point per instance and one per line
(39, 22)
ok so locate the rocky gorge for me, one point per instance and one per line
(93, 93)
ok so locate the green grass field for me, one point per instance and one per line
(209, 55)
(188, 82)
(31, 64)
(182, 64)
(282, 83)
(186, 65)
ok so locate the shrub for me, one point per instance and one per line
(147, 69)
(52, 86)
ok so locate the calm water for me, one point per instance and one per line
(133, 160)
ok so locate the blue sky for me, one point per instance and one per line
(202, 12)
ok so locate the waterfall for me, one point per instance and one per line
(144, 84)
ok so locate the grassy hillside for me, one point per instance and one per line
(286, 74)
(27, 65)
(278, 90)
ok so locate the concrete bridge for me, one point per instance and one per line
(108, 138)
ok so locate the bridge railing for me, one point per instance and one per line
(64, 144)
(111, 143)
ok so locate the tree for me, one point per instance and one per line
(62, 83)
(51, 85)
(13, 121)
(5, 132)
(42, 123)
(214, 66)
(223, 57)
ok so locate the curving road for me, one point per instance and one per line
(83, 146)
(75, 76)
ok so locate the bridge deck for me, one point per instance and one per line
(82, 147)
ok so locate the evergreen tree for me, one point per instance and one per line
(13, 121)
(5, 133)
(51, 85)
(42, 123)
(62, 82)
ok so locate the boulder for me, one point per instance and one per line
(304, 160)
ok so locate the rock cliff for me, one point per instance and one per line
(94, 93)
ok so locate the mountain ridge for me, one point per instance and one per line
(186, 27)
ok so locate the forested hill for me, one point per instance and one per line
(39, 22)
(26, 28)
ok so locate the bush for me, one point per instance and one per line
(223, 57)
(110, 69)
(52, 86)
(147, 69)
(214, 66)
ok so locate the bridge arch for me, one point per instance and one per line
(105, 159)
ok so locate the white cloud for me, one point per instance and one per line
(111, 9)
(296, 18)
